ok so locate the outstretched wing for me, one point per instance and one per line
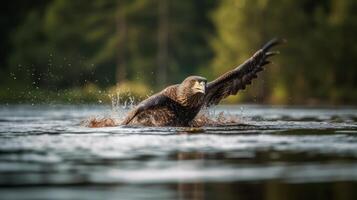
(152, 102)
(237, 79)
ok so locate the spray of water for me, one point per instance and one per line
(98, 122)
(120, 106)
(209, 118)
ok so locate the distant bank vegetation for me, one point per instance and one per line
(87, 51)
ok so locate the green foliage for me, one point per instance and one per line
(316, 64)
(74, 48)
(90, 93)
(75, 42)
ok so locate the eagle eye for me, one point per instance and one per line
(202, 81)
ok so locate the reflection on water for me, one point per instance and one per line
(276, 153)
(190, 190)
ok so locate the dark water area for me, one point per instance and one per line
(274, 153)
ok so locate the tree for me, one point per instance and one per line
(163, 33)
(313, 64)
(105, 42)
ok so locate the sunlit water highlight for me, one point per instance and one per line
(46, 148)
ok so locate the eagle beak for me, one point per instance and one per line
(199, 87)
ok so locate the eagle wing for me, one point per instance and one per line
(155, 101)
(237, 79)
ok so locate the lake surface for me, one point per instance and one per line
(276, 153)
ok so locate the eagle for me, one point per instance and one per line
(178, 105)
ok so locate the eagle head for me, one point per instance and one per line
(192, 90)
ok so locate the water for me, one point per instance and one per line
(276, 153)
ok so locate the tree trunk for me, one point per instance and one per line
(163, 33)
(122, 37)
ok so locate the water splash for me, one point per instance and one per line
(114, 118)
(203, 119)
(122, 102)
(98, 122)
(208, 118)
(118, 101)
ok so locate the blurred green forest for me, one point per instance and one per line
(88, 51)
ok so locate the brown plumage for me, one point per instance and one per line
(178, 105)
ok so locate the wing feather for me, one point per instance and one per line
(153, 102)
(237, 79)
